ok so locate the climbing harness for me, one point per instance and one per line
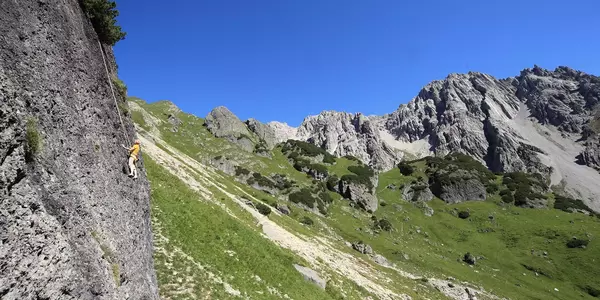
(113, 93)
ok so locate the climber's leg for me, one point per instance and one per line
(132, 166)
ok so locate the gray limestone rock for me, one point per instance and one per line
(68, 213)
(224, 124)
(418, 191)
(359, 193)
(590, 155)
(381, 260)
(311, 275)
(221, 122)
(264, 132)
(174, 121)
(284, 209)
(348, 134)
(457, 186)
(362, 248)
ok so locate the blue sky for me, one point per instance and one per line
(286, 59)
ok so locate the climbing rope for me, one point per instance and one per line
(113, 94)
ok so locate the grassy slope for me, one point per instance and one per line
(221, 244)
(434, 244)
(200, 228)
(505, 236)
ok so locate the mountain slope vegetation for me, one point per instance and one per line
(211, 239)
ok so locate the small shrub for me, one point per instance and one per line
(103, 15)
(329, 159)
(492, 188)
(218, 157)
(325, 197)
(594, 292)
(307, 221)
(241, 171)
(383, 224)
(303, 196)
(293, 155)
(261, 147)
(263, 209)
(332, 182)
(304, 148)
(469, 258)
(123, 108)
(322, 208)
(507, 197)
(463, 214)
(362, 175)
(350, 157)
(577, 243)
(406, 169)
(119, 86)
(568, 204)
(34, 141)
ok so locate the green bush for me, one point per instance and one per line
(383, 224)
(307, 221)
(261, 147)
(303, 196)
(241, 171)
(523, 185)
(103, 14)
(566, 204)
(492, 188)
(350, 157)
(293, 155)
(507, 196)
(119, 86)
(329, 159)
(332, 182)
(406, 169)
(306, 149)
(263, 209)
(594, 292)
(325, 197)
(464, 214)
(260, 180)
(362, 175)
(34, 140)
(577, 243)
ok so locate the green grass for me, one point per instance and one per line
(435, 245)
(34, 139)
(340, 168)
(205, 232)
(505, 241)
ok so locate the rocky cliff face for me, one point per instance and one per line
(348, 134)
(72, 224)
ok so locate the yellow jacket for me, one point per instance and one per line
(134, 151)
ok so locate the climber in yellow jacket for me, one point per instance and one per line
(134, 152)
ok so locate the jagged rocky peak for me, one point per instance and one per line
(283, 131)
(564, 98)
(342, 133)
(264, 132)
(221, 122)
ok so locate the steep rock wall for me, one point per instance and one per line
(72, 224)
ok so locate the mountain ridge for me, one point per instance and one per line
(513, 124)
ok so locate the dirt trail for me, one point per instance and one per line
(319, 252)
